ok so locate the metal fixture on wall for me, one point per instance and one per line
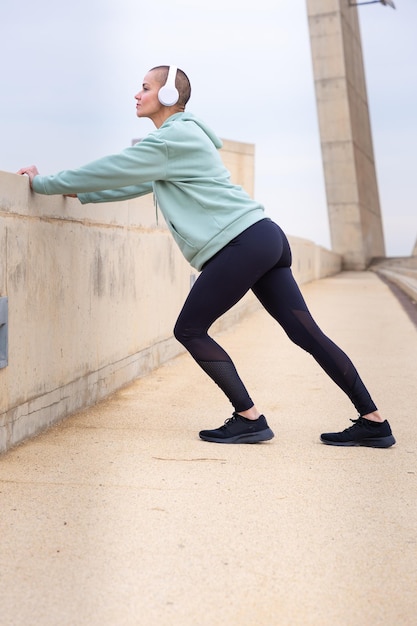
(4, 327)
(387, 3)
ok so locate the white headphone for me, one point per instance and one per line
(168, 94)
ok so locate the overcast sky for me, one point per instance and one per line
(69, 71)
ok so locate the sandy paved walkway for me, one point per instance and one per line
(121, 516)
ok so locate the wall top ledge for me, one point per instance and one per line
(17, 199)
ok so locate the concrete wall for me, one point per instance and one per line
(345, 131)
(93, 293)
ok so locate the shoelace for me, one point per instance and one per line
(356, 423)
(232, 419)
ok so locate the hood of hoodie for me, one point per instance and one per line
(190, 117)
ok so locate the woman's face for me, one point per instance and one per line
(147, 103)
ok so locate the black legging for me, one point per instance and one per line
(259, 259)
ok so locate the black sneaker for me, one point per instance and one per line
(238, 429)
(363, 433)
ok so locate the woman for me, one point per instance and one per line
(224, 234)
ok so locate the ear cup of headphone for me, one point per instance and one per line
(168, 94)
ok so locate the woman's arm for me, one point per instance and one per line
(107, 195)
(114, 195)
(139, 164)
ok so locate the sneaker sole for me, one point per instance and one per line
(262, 435)
(378, 442)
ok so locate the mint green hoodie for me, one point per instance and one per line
(180, 164)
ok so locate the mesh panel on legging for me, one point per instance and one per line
(215, 361)
(226, 377)
(333, 360)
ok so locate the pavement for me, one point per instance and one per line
(121, 516)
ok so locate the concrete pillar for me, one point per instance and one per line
(345, 132)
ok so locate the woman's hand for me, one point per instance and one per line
(30, 171)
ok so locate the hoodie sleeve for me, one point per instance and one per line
(142, 163)
(114, 195)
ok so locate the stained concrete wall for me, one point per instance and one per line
(93, 293)
(345, 132)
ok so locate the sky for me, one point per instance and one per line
(69, 72)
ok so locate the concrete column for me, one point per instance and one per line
(345, 132)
